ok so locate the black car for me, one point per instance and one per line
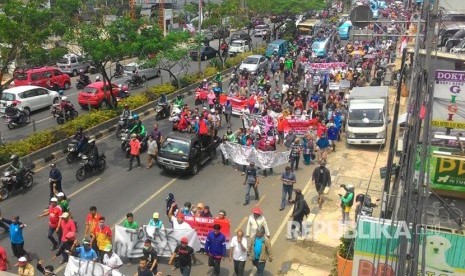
(240, 36)
(206, 53)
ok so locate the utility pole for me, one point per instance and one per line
(199, 54)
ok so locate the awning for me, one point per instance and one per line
(402, 119)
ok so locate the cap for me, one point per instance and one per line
(204, 108)
(108, 248)
(65, 215)
(70, 235)
(53, 199)
(156, 215)
(217, 227)
(257, 211)
(180, 215)
(207, 207)
(212, 110)
(133, 135)
(184, 240)
(84, 241)
(22, 259)
(60, 194)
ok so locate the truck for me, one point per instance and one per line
(184, 152)
(367, 116)
(238, 46)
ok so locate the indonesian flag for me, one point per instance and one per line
(403, 44)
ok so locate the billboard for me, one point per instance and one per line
(449, 100)
(376, 238)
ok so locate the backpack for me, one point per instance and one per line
(306, 208)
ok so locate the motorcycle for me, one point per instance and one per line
(126, 138)
(73, 154)
(135, 82)
(201, 96)
(162, 111)
(9, 182)
(122, 125)
(87, 169)
(119, 73)
(366, 206)
(23, 119)
(58, 114)
(81, 83)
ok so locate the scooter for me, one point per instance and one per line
(88, 169)
(122, 125)
(23, 119)
(365, 206)
(135, 82)
(58, 114)
(201, 96)
(162, 111)
(80, 84)
(9, 182)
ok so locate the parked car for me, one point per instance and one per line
(93, 95)
(28, 98)
(205, 53)
(240, 36)
(44, 77)
(320, 48)
(261, 30)
(145, 70)
(344, 30)
(71, 64)
(254, 63)
(238, 46)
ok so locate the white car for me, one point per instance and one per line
(145, 70)
(238, 46)
(254, 63)
(261, 30)
(28, 98)
(71, 64)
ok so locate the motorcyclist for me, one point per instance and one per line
(16, 166)
(135, 77)
(138, 128)
(13, 112)
(218, 79)
(93, 153)
(83, 77)
(179, 101)
(119, 69)
(122, 91)
(82, 140)
(126, 114)
(204, 84)
(163, 101)
(65, 105)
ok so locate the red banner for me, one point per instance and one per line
(298, 124)
(329, 65)
(204, 225)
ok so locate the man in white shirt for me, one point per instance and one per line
(111, 259)
(178, 220)
(238, 252)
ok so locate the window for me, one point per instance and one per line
(57, 72)
(41, 92)
(8, 96)
(35, 76)
(73, 60)
(47, 74)
(28, 94)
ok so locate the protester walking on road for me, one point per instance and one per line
(322, 179)
(134, 145)
(54, 180)
(85, 251)
(4, 263)
(92, 219)
(143, 269)
(251, 181)
(294, 157)
(157, 135)
(151, 254)
(24, 267)
(260, 251)
(323, 147)
(65, 247)
(53, 212)
(238, 252)
(156, 221)
(45, 270)
(185, 256)
(152, 151)
(215, 247)
(130, 223)
(288, 179)
(102, 236)
(301, 209)
(66, 225)
(255, 221)
(16, 236)
(111, 259)
(178, 220)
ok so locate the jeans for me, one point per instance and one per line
(18, 249)
(131, 159)
(215, 263)
(260, 267)
(295, 162)
(185, 270)
(239, 267)
(287, 190)
(247, 192)
(52, 230)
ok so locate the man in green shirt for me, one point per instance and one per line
(130, 223)
(289, 64)
(62, 202)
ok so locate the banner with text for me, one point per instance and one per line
(448, 100)
(243, 155)
(80, 267)
(129, 243)
(299, 124)
(328, 65)
(204, 225)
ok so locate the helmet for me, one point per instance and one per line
(125, 88)
(60, 92)
(120, 86)
(81, 71)
(135, 117)
(204, 80)
(126, 105)
(97, 78)
(64, 98)
(14, 158)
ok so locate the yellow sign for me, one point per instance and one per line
(448, 124)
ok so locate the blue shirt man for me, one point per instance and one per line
(215, 246)
(85, 252)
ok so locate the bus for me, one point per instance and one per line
(307, 27)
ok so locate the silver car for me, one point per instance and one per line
(145, 70)
(71, 64)
(254, 63)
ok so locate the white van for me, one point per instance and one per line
(28, 98)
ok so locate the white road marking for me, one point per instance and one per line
(83, 188)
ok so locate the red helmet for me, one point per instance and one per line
(125, 88)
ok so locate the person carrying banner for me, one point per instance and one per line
(185, 257)
(111, 259)
(215, 247)
(251, 181)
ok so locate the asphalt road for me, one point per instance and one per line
(141, 191)
(44, 120)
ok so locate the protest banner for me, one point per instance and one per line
(299, 124)
(237, 104)
(80, 267)
(343, 84)
(333, 86)
(243, 155)
(204, 225)
(129, 243)
(328, 65)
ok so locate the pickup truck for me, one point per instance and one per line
(238, 46)
(184, 153)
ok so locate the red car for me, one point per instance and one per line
(93, 95)
(44, 77)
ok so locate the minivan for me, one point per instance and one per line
(44, 76)
(71, 64)
(278, 47)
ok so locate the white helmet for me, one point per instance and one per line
(97, 78)
(64, 98)
(120, 86)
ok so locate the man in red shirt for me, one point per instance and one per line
(4, 263)
(92, 219)
(53, 212)
(66, 225)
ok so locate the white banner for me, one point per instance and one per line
(80, 267)
(245, 155)
(129, 243)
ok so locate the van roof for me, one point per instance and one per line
(20, 89)
(183, 136)
(369, 92)
(39, 69)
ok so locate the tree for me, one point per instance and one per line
(25, 27)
